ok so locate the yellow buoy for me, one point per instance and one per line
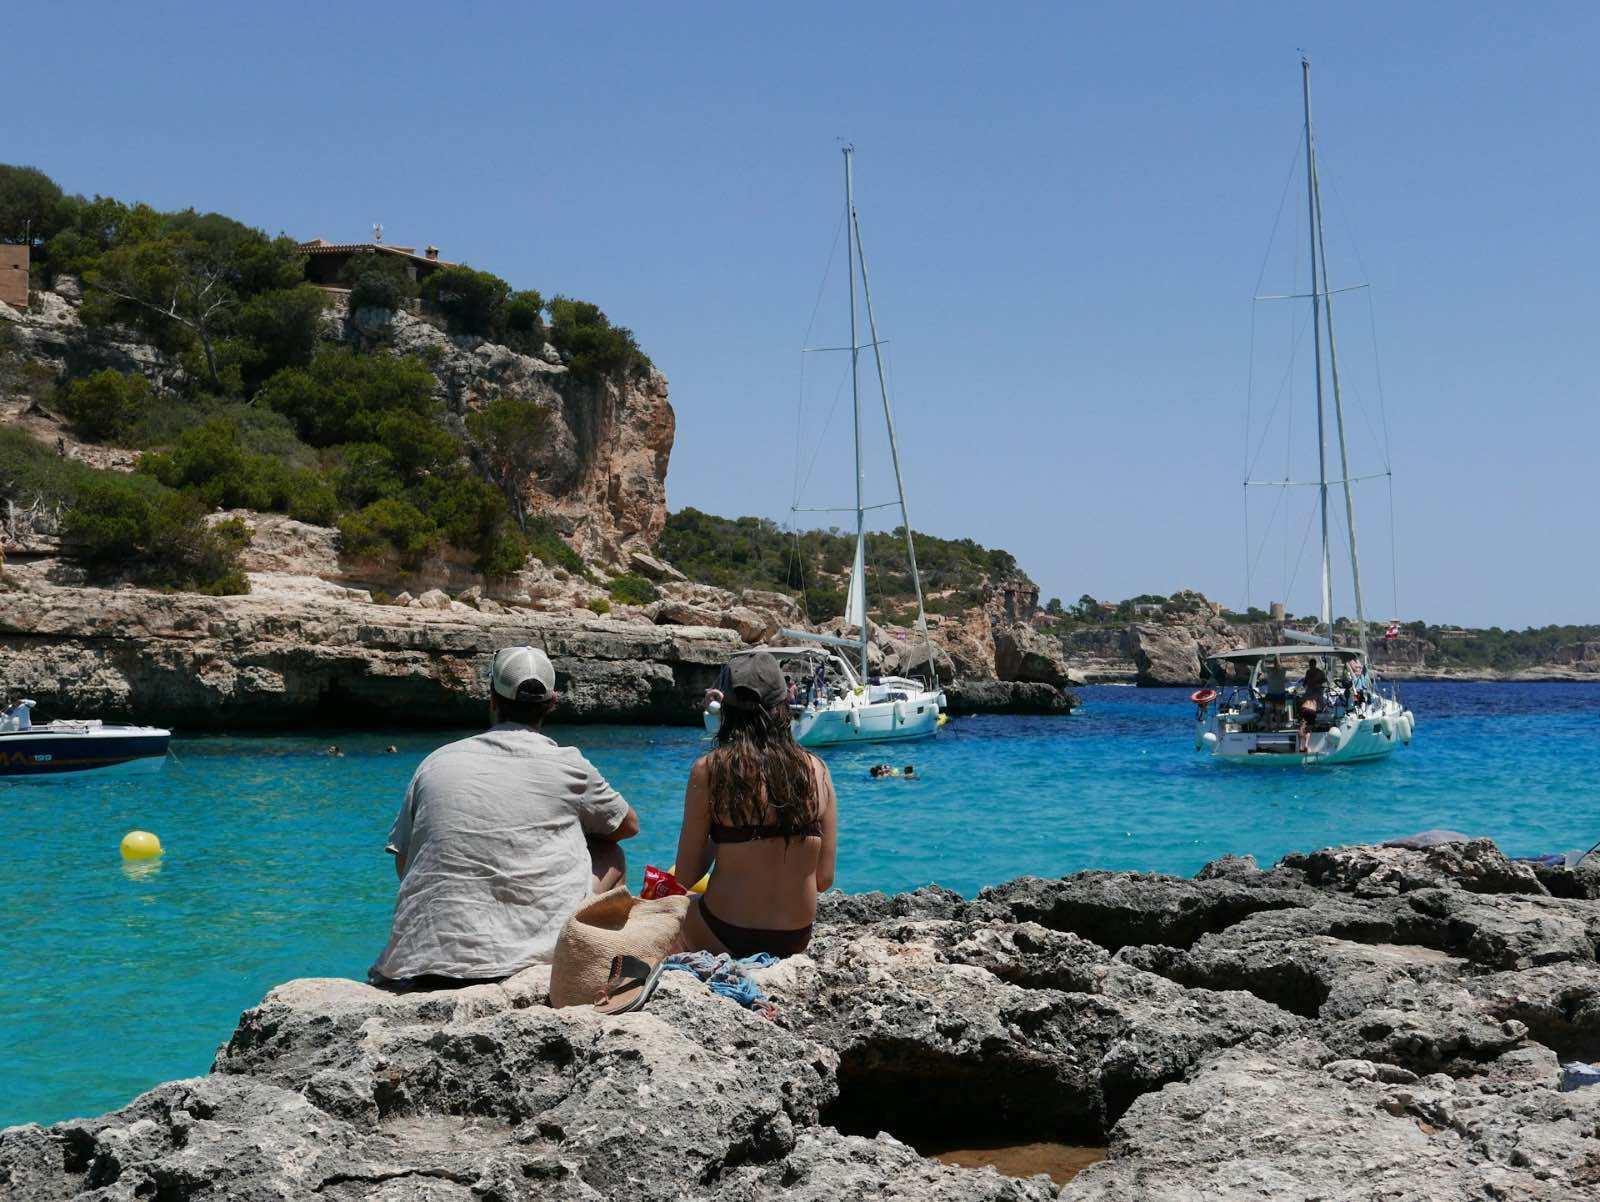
(140, 845)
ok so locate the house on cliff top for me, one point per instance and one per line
(325, 261)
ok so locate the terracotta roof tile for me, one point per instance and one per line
(318, 247)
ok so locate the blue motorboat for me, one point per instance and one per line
(67, 745)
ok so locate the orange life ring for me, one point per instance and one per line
(1203, 696)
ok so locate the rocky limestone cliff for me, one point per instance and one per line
(299, 651)
(600, 479)
(1353, 1024)
(50, 334)
(601, 475)
(1169, 647)
(1167, 650)
(1100, 654)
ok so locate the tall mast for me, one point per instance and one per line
(1344, 454)
(858, 586)
(1317, 284)
(894, 455)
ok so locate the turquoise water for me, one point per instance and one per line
(118, 977)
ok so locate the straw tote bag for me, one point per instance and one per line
(614, 923)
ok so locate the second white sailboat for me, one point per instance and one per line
(839, 699)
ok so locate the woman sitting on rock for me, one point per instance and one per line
(762, 809)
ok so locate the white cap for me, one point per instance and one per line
(516, 668)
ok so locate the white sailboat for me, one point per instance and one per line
(840, 699)
(1259, 722)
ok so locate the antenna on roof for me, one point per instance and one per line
(377, 231)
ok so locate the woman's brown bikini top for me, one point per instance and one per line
(722, 833)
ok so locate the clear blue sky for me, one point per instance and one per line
(1066, 209)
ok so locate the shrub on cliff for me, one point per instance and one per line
(418, 445)
(361, 473)
(208, 462)
(388, 526)
(590, 344)
(546, 544)
(257, 431)
(470, 301)
(108, 405)
(278, 329)
(508, 433)
(342, 396)
(507, 554)
(131, 524)
(377, 280)
(311, 499)
(245, 458)
(36, 482)
(524, 312)
(466, 510)
(633, 589)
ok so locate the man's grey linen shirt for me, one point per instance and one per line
(493, 834)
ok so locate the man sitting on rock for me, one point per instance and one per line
(500, 838)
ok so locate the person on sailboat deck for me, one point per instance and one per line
(1360, 682)
(1275, 689)
(762, 810)
(1311, 700)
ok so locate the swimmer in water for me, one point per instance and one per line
(909, 772)
(883, 770)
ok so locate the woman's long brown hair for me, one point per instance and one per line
(757, 764)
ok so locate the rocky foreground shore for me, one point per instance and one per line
(1354, 1023)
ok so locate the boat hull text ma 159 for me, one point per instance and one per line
(77, 746)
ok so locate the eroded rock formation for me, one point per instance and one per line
(322, 653)
(1363, 1022)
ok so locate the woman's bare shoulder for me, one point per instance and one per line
(819, 768)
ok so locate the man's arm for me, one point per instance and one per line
(602, 812)
(399, 843)
(626, 829)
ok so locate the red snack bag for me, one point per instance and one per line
(658, 883)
